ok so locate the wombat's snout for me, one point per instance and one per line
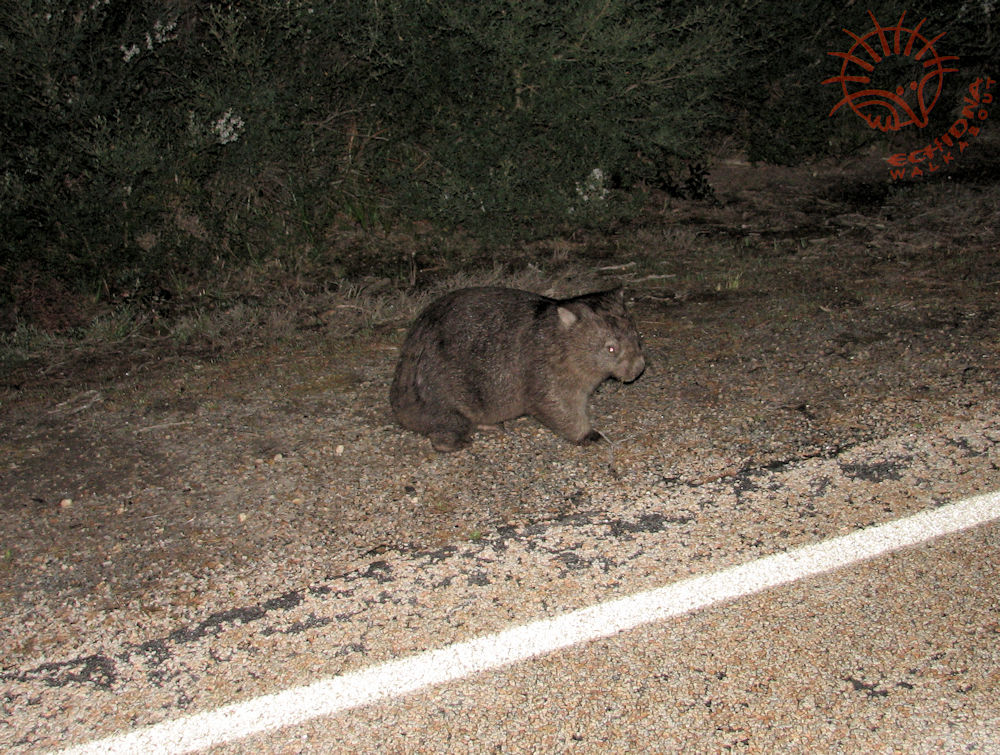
(633, 365)
(638, 367)
(625, 347)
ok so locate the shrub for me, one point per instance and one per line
(507, 115)
(146, 143)
(144, 140)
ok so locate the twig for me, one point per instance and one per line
(653, 278)
(93, 396)
(609, 268)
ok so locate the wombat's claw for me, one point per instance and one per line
(592, 437)
(447, 442)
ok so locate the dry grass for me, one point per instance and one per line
(769, 224)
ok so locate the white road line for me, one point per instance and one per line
(463, 659)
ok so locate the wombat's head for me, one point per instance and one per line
(602, 337)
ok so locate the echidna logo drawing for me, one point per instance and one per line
(892, 76)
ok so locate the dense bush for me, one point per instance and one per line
(145, 139)
(145, 142)
(520, 112)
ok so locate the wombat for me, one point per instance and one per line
(479, 356)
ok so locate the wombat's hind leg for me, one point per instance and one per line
(592, 437)
(450, 433)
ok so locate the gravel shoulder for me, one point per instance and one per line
(809, 316)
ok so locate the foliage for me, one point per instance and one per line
(146, 143)
(146, 139)
(504, 114)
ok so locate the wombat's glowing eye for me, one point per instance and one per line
(612, 349)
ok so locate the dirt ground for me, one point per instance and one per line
(809, 310)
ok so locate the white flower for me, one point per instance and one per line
(164, 32)
(593, 188)
(228, 127)
(160, 34)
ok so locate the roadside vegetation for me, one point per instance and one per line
(204, 175)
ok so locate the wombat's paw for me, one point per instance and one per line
(592, 437)
(447, 442)
(497, 428)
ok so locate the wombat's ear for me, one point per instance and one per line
(567, 317)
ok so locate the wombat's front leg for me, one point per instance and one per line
(570, 420)
(451, 432)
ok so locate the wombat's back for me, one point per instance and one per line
(467, 351)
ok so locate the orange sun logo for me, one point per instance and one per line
(902, 54)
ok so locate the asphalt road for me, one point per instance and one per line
(896, 652)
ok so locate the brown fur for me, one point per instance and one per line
(479, 356)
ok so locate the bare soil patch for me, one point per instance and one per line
(809, 310)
